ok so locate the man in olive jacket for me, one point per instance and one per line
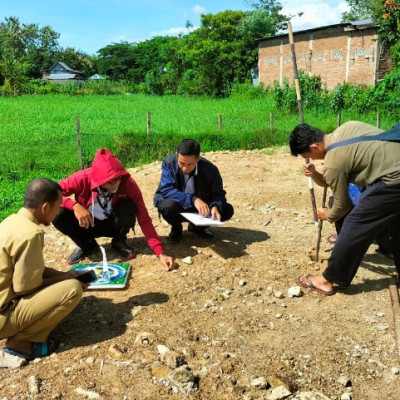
(354, 154)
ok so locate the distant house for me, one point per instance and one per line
(60, 72)
(346, 52)
(96, 77)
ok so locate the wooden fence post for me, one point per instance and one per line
(220, 122)
(78, 135)
(271, 122)
(378, 120)
(148, 123)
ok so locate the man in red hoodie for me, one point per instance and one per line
(106, 202)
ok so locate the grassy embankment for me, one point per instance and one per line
(38, 133)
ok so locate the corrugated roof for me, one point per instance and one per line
(60, 76)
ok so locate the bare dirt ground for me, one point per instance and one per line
(223, 316)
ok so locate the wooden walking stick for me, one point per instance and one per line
(300, 107)
(319, 234)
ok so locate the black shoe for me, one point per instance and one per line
(201, 231)
(79, 254)
(121, 247)
(175, 236)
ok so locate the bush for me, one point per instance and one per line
(248, 90)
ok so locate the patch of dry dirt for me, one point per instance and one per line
(221, 314)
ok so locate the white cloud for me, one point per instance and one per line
(315, 14)
(198, 10)
(174, 31)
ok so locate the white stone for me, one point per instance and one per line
(294, 291)
(10, 361)
(259, 383)
(162, 349)
(312, 396)
(188, 260)
(34, 385)
(87, 393)
(278, 393)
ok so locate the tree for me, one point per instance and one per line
(264, 21)
(28, 44)
(14, 74)
(116, 60)
(217, 53)
(359, 10)
(156, 62)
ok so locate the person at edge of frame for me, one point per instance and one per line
(374, 164)
(190, 183)
(106, 203)
(34, 299)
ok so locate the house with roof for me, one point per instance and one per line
(60, 72)
(342, 53)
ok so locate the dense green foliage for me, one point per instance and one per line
(384, 97)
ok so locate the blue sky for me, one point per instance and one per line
(89, 25)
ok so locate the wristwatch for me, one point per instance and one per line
(160, 255)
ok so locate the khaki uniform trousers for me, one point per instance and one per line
(34, 316)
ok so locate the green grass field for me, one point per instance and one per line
(38, 133)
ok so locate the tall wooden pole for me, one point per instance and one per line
(300, 107)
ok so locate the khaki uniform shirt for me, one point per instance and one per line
(21, 255)
(362, 163)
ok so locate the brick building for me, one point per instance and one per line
(345, 52)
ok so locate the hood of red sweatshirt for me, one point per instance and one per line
(105, 167)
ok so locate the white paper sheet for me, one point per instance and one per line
(198, 220)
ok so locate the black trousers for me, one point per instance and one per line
(378, 209)
(117, 226)
(170, 211)
(382, 239)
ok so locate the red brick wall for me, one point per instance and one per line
(335, 54)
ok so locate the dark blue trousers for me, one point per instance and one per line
(378, 209)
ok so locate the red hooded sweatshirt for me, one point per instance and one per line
(105, 167)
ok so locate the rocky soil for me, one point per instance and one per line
(225, 325)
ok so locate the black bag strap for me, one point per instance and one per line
(391, 135)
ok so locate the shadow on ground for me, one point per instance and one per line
(228, 242)
(101, 319)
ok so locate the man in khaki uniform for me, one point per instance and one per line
(372, 162)
(33, 298)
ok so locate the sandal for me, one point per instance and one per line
(309, 284)
(38, 350)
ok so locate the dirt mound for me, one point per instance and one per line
(224, 327)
